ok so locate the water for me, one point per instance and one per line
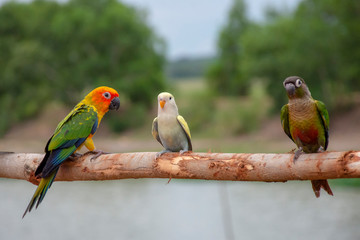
(184, 209)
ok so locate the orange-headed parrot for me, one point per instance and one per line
(306, 122)
(74, 131)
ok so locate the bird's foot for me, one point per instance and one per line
(162, 152)
(297, 154)
(321, 149)
(96, 154)
(74, 156)
(183, 151)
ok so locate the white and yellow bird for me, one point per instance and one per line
(169, 128)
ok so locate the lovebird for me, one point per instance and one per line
(306, 122)
(74, 131)
(169, 128)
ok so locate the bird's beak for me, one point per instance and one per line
(162, 103)
(114, 104)
(290, 89)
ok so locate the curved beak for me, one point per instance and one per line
(290, 88)
(114, 104)
(162, 103)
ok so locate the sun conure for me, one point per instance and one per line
(74, 131)
(169, 128)
(306, 122)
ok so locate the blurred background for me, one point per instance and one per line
(225, 62)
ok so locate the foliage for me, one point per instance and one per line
(195, 102)
(318, 41)
(211, 115)
(347, 182)
(60, 51)
(224, 76)
(236, 115)
(188, 67)
(199, 109)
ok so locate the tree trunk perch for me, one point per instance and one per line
(209, 166)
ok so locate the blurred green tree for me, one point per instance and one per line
(318, 41)
(304, 43)
(60, 51)
(225, 76)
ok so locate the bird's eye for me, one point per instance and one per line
(170, 98)
(298, 83)
(106, 95)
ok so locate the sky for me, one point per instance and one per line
(190, 28)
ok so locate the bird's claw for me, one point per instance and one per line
(96, 153)
(183, 151)
(161, 153)
(74, 156)
(166, 151)
(297, 154)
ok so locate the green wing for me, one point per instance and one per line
(285, 120)
(186, 129)
(79, 123)
(321, 108)
(70, 134)
(155, 131)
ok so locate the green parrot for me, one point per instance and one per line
(73, 132)
(169, 128)
(306, 122)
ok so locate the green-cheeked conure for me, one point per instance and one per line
(306, 122)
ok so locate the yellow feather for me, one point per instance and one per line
(155, 131)
(89, 143)
(184, 125)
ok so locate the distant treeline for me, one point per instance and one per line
(52, 51)
(188, 67)
(319, 41)
(59, 51)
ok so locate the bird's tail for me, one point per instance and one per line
(40, 192)
(318, 184)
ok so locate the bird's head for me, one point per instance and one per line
(296, 87)
(166, 102)
(104, 99)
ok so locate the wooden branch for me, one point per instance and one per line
(209, 166)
